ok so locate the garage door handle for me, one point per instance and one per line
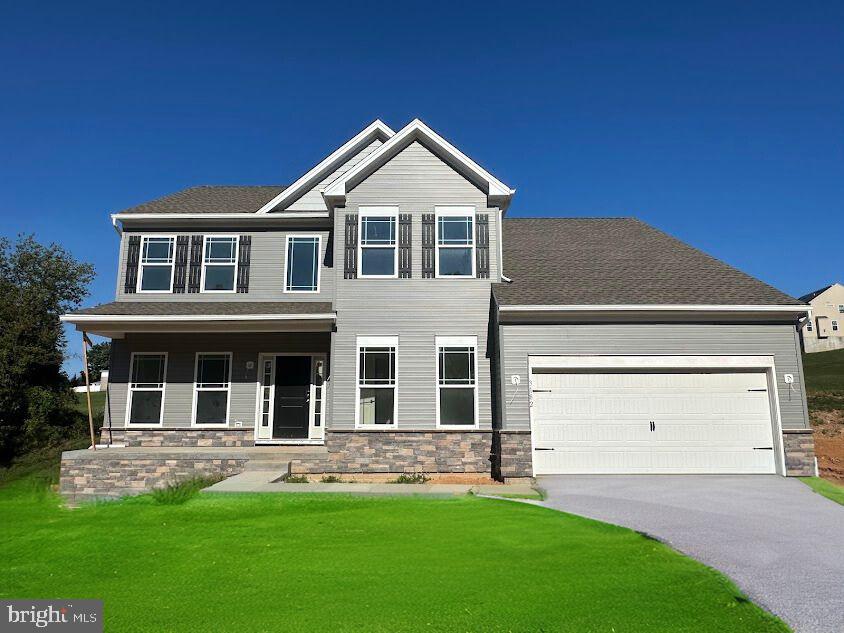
(543, 449)
(757, 390)
(541, 391)
(763, 448)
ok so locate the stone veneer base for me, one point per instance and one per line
(799, 445)
(179, 436)
(89, 479)
(402, 452)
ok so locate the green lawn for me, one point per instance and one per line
(825, 488)
(279, 562)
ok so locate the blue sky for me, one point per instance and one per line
(720, 123)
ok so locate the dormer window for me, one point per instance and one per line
(378, 253)
(219, 263)
(455, 241)
(156, 274)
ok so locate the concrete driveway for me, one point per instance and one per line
(782, 543)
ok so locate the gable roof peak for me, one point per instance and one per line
(497, 192)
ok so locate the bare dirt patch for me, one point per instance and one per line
(829, 443)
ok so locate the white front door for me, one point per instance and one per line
(651, 422)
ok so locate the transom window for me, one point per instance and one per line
(455, 241)
(456, 381)
(219, 263)
(378, 251)
(212, 385)
(156, 273)
(376, 384)
(146, 389)
(302, 263)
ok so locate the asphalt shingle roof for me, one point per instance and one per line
(207, 308)
(617, 261)
(212, 199)
(807, 298)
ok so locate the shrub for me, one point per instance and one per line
(296, 479)
(415, 478)
(331, 479)
(177, 493)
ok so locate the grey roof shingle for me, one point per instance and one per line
(617, 261)
(207, 308)
(808, 297)
(212, 199)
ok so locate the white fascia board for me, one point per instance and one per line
(130, 318)
(654, 308)
(124, 217)
(417, 129)
(375, 129)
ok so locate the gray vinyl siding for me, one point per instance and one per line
(416, 310)
(520, 341)
(312, 199)
(266, 271)
(181, 355)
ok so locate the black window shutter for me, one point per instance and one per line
(133, 253)
(244, 255)
(428, 245)
(405, 236)
(350, 259)
(180, 272)
(482, 246)
(195, 263)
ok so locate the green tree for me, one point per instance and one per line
(37, 284)
(98, 357)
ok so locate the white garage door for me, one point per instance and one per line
(612, 422)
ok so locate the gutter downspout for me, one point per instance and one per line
(501, 247)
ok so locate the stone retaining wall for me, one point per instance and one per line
(89, 479)
(173, 437)
(799, 452)
(403, 452)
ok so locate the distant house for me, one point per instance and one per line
(824, 330)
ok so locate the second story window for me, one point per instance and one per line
(302, 265)
(156, 270)
(378, 252)
(841, 308)
(455, 241)
(219, 263)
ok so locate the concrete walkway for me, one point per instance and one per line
(782, 543)
(265, 481)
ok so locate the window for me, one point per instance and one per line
(146, 389)
(156, 264)
(456, 381)
(455, 241)
(376, 390)
(809, 327)
(219, 263)
(302, 266)
(835, 326)
(378, 255)
(841, 308)
(212, 382)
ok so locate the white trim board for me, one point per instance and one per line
(653, 308)
(116, 318)
(376, 129)
(335, 193)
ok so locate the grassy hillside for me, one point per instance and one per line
(824, 372)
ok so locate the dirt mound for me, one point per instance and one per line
(829, 442)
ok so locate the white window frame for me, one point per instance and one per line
(197, 389)
(172, 264)
(376, 341)
(205, 240)
(130, 390)
(452, 211)
(809, 326)
(841, 308)
(318, 262)
(455, 341)
(391, 211)
(834, 325)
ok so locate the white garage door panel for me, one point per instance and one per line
(601, 423)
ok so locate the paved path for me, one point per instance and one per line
(782, 543)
